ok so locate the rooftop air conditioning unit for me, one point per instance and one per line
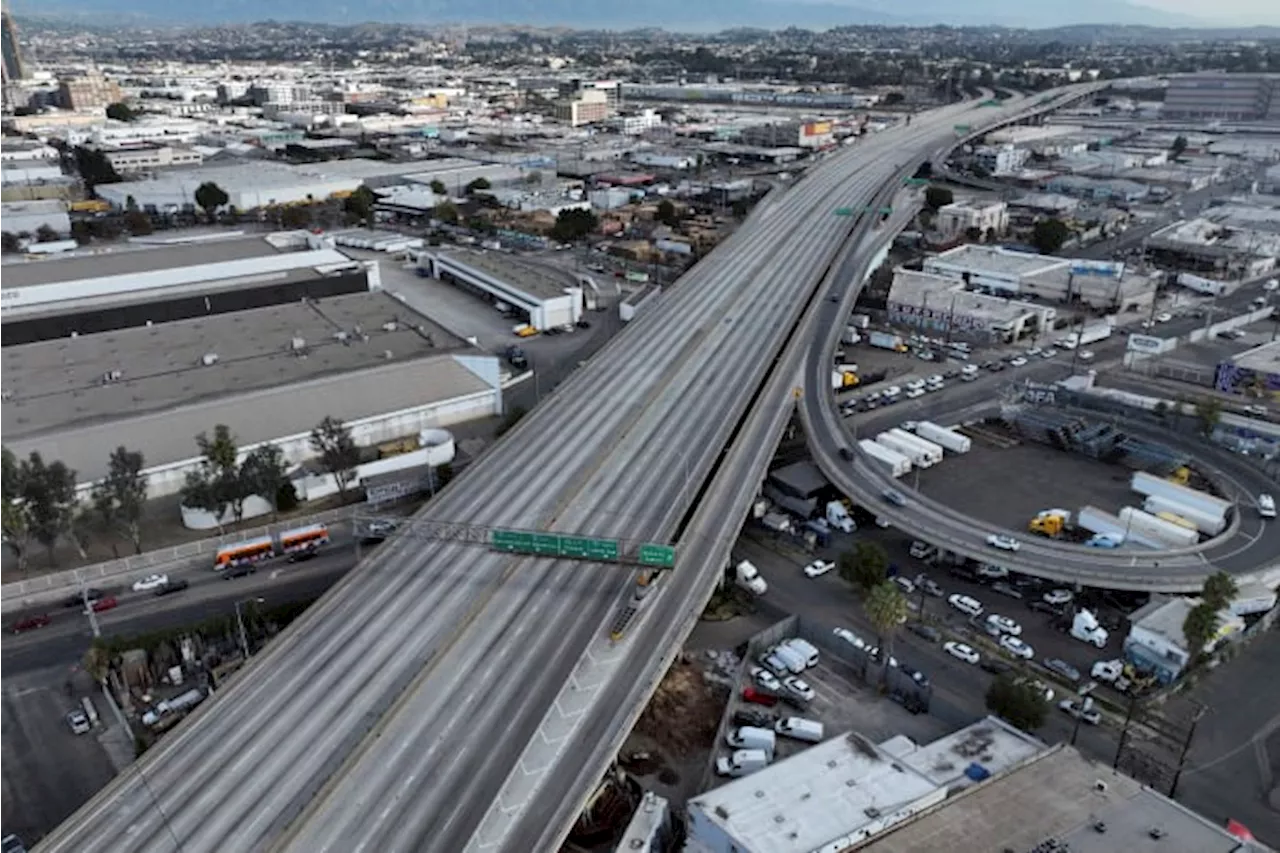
(209, 359)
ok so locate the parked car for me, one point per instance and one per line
(1007, 589)
(1063, 668)
(850, 638)
(150, 582)
(1004, 625)
(930, 586)
(995, 666)
(1058, 597)
(77, 600)
(798, 688)
(1045, 607)
(1017, 647)
(78, 722)
(915, 675)
(965, 604)
(30, 623)
(759, 697)
(1018, 362)
(176, 585)
(990, 572)
(751, 717)
(239, 571)
(766, 679)
(108, 603)
(961, 651)
(925, 632)
(1090, 715)
(818, 568)
(894, 497)
(904, 584)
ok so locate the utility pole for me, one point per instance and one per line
(1186, 748)
(244, 637)
(89, 611)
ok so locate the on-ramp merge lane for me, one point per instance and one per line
(390, 715)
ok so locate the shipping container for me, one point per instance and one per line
(1153, 486)
(1157, 530)
(891, 461)
(1209, 525)
(946, 438)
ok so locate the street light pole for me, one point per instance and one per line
(244, 638)
(89, 611)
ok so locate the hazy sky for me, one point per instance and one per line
(1223, 11)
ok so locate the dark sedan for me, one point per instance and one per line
(1063, 668)
(175, 585)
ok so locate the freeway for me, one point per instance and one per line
(404, 705)
(1251, 547)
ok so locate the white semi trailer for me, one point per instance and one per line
(895, 463)
(947, 438)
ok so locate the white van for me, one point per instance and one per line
(1266, 506)
(914, 393)
(805, 649)
(750, 737)
(969, 371)
(800, 729)
(742, 762)
(891, 392)
(915, 385)
(794, 661)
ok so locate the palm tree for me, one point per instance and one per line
(887, 610)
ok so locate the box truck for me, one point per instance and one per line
(1090, 334)
(943, 437)
(891, 461)
(1158, 530)
(887, 340)
(1207, 523)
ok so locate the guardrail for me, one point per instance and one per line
(20, 593)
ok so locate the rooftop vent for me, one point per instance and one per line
(341, 337)
(390, 326)
(1156, 832)
(1099, 826)
(111, 376)
(209, 359)
(297, 344)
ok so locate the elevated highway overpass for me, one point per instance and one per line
(447, 697)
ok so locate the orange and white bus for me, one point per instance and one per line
(250, 551)
(304, 539)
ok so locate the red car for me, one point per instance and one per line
(30, 623)
(759, 697)
(104, 604)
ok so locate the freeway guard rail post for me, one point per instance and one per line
(22, 594)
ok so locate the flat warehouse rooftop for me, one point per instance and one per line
(57, 384)
(125, 261)
(536, 282)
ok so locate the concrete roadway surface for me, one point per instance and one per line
(1235, 757)
(392, 714)
(865, 482)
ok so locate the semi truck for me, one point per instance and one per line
(1148, 526)
(1085, 627)
(943, 437)
(887, 340)
(842, 380)
(1158, 487)
(778, 522)
(1207, 523)
(1050, 522)
(934, 451)
(913, 454)
(860, 321)
(851, 335)
(839, 518)
(1090, 334)
(891, 461)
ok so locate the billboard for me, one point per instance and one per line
(817, 128)
(1102, 269)
(1146, 343)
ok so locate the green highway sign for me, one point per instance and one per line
(657, 555)
(554, 545)
(844, 211)
(916, 182)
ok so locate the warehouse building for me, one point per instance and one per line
(942, 306)
(270, 374)
(28, 217)
(146, 283)
(545, 299)
(1253, 373)
(1002, 272)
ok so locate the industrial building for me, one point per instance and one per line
(171, 279)
(270, 374)
(848, 789)
(942, 306)
(1000, 159)
(547, 298)
(1055, 802)
(1254, 373)
(150, 156)
(28, 217)
(1105, 287)
(793, 134)
(89, 92)
(1206, 245)
(1223, 97)
(991, 218)
(1156, 642)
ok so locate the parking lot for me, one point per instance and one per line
(1007, 486)
(48, 771)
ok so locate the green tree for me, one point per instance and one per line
(94, 167)
(887, 610)
(216, 486)
(1179, 145)
(478, 185)
(865, 567)
(263, 473)
(936, 197)
(296, 216)
(209, 197)
(338, 453)
(445, 211)
(48, 500)
(1219, 591)
(138, 223)
(1018, 701)
(9, 241)
(45, 234)
(438, 187)
(667, 213)
(120, 497)
(1048, 235)
(1208, 413)
(891, 98)
(359, 205)
(1199, 628)
(15, 523)
(574, 224)
(121, 111)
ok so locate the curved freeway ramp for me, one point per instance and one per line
(445, 697)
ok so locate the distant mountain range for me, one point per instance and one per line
(672, 15)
